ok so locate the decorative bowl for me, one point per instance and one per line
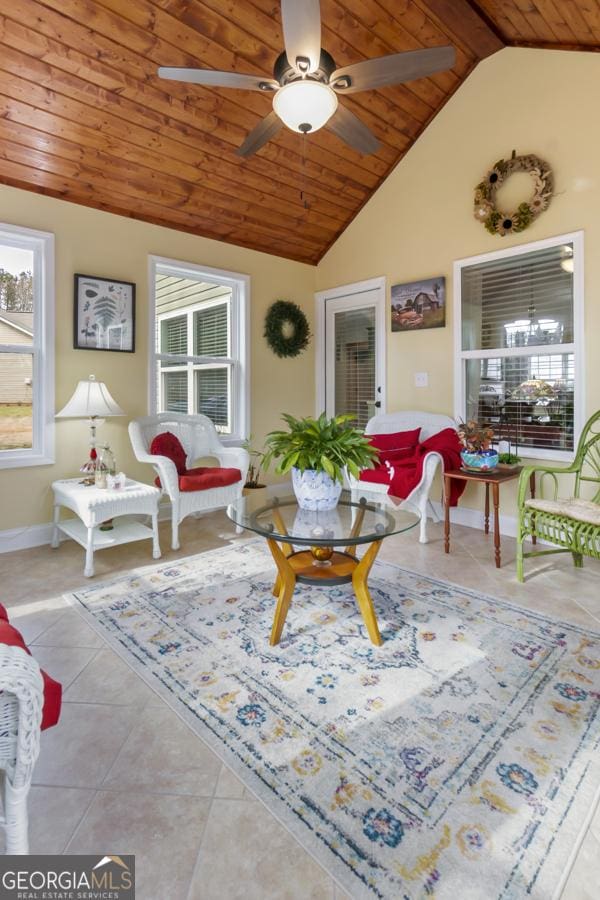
(479, 460)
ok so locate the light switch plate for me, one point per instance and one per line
(421, 379)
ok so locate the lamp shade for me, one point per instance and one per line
(305, 106)
(91, 399)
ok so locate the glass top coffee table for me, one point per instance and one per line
(327, 543)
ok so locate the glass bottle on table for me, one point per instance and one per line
(105, 465)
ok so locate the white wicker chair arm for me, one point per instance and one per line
(144, 457)
(21, 704)
(431, 461)
(234, 457)
(167, 472)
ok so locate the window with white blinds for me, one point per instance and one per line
(200, 346)
(518, 344)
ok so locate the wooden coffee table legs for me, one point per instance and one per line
(343, 567)
(361, 590)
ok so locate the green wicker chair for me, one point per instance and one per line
(573, 524)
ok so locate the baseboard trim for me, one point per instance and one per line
(474, 518)
(26, 537)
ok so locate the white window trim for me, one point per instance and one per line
(240, 338)
(42, 347)
(577, 347)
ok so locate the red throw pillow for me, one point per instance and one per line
(396, 445)
(168, 444)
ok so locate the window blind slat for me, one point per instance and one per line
(173, 337)
(355, 363)
(212, 395)
(211, 331)
(175, 395)
(519, 301)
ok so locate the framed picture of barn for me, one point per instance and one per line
(104, 314)
(419, 304)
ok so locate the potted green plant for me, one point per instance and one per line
(508, 461)
(478, 454)
(253, 484)
(317, 451)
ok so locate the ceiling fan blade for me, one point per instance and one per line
(302, 33)
(213, 78)
(393, 69)
(354, 132)
(264, 131)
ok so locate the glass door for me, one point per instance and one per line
(354, 356)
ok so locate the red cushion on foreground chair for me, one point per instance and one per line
(168, 444)
(205, 477)
(52, 689)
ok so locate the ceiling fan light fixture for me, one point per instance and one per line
(305, 106)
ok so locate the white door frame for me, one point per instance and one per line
(378, 286)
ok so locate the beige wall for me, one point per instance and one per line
(420, 220)
(99, 243)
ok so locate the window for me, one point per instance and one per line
(200, 359)
(519, 346)
(26, 347)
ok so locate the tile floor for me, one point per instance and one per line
(123, 772)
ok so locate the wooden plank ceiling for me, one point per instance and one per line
(84, 117)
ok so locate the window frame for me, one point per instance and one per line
(577, 347)
(41, 243)
(239, 333)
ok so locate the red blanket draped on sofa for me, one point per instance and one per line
(407, 473)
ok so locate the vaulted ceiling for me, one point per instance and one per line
(84, 117)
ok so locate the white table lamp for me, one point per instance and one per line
(92, 401)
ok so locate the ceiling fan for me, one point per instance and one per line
(306, 82)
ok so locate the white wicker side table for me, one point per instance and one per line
(93, 506)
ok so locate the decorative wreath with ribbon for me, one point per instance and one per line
(286, 328)
(495, 220)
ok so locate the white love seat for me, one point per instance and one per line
(430, 424)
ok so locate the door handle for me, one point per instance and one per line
(378, 404)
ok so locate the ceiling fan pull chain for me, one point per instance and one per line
(302, 192)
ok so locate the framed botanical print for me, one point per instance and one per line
(104, 314)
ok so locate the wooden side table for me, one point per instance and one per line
(93, 506)
(495, 479)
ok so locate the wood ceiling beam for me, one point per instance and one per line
(551, 45)
(468, 23)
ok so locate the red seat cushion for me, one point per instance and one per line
(52, 689)
(395, 446)
(168, 444)
(205, 477)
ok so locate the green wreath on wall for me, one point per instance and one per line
(286, 329)
(495, 220)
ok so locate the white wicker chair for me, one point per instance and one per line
(430, 424)
(199, 438)
(21, 702)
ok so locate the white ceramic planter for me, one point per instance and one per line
(315, 490)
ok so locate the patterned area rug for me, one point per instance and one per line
(455, 761)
